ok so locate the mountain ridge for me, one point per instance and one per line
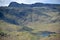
(15, 4)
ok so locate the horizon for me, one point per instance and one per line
(7, 2)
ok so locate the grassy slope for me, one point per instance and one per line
(8, 27)
(13, 34)
(53, 27)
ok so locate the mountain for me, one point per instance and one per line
(34, 16)
(32, 21)
(27, 15)
(15, 4)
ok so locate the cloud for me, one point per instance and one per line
(4, 2)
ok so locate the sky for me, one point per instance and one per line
(7, 2)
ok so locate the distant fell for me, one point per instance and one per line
(15, 4)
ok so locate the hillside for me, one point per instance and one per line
(32, 21)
